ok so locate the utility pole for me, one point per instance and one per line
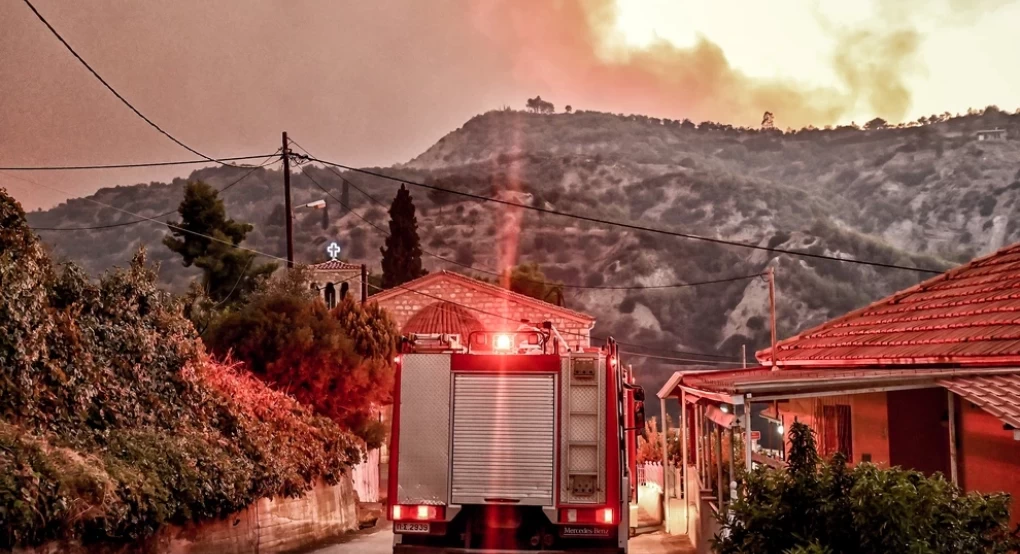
(286, 202)
(772, 310)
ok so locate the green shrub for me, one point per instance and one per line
(813, 506)
(113, 421)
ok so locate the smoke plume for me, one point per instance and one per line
(568, 47)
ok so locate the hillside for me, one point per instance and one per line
(926, 195)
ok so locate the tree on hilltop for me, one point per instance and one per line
(875, 124)
(537, 105)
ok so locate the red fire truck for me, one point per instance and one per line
(511, 442)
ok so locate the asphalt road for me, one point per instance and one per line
(380, 541)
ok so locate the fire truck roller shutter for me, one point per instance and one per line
(424, 455)
(504, 438)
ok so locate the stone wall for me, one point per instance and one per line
(269, 526)
(495, 312)
(273, 525)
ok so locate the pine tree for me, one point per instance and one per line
(528, 279)
(228, 272)
(401, 256)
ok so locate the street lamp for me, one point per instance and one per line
(316, 205)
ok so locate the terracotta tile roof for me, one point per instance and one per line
(443, 317)
(333, 265)
(998, 395)
(969, 316)
(481, 286)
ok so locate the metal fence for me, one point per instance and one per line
(651, 473)
(366, 477)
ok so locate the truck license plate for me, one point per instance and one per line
(400, 527)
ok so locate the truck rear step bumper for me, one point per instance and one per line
(408, 549)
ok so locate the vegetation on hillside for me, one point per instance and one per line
(925, 195)
(337, 361)
(113, 422)
(813, 505)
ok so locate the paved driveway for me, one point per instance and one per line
(380, 541)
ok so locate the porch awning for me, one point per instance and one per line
(998, 395)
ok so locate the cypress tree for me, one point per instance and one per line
(401, 256)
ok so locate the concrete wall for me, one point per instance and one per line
(266, 527)
(273, 525)
(989, 457)
(869, 416)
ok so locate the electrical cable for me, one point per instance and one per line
(278, 258)
(567, 332)
(114, 91)
(630, 226)
(499, 274)
(129, 165)
(164, 214)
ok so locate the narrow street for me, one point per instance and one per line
(380, 541)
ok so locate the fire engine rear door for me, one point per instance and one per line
(504, 438)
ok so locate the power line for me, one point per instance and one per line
(565, 331)
(129, 165)
(734, 364)
(631, 226)
(499, 274)
(164, 214)
(114, 91)
(278, 258)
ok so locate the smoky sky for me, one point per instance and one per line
(371, 83)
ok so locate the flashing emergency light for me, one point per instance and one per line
(502, 342)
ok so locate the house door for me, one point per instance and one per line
(919, 430)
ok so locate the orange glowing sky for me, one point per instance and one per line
(375, 83)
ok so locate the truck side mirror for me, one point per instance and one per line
(639, 394)
(639, 415)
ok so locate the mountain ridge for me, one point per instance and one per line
(926, 195)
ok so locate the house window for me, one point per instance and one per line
(837, 431)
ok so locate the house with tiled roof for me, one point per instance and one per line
(928, 379)
(448, 302)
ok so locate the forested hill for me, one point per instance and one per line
(925, 195)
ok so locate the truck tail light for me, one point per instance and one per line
(598, 516)
(606, 516)
(418, 513)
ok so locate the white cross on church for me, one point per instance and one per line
(333, 250)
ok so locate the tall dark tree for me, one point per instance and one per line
(206, 238)
(401, 256)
